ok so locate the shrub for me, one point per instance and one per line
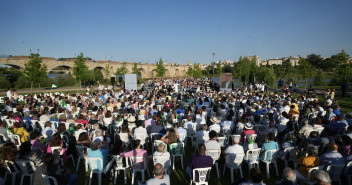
(4, 83)
(64, 80)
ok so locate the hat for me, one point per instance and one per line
(142, 112)
(215, 120)
(248, 126)
(131, 119)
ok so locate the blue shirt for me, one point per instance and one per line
(335, 126)
(100, 153)
(331, 157)
(271, 145)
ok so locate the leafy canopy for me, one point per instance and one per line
(34, 70)
(160, 69)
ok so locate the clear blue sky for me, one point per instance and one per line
(176, 30)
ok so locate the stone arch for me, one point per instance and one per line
(18, 67)
(177, 73)
(61, 68)
(142, 72)
(167, 73)
(102, 70)
(153, 73)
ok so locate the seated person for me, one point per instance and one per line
(212, 143)
(255, 178)
(332, 156)
(161, 151)
(288, 177)
(97, 151)
(249, 144)
(136, 152)
(270, 145)
(159, 178)
(306, 162)
(62, 175)
(199, 161)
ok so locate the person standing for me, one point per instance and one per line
(9, 93)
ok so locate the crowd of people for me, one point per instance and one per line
(163, 121)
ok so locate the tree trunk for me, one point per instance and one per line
(31, 86)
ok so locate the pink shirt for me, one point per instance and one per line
(245, 132)
(137, 153)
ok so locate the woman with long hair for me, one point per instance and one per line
(56, 141)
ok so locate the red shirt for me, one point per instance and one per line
(82, 121)
(245, 132)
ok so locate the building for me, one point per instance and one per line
(274, 61)
(257, 60)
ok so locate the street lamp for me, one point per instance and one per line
(213, 62)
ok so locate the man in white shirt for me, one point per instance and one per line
(212, 144)
(140, 130)
(189, 124)
(181, 131)
(202, 135)
(9, 93)
(159, 178)
(236, 148)
(44, 116)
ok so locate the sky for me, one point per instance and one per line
(175, 30)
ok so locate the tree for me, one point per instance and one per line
(190, 71)
(160, 69)
(98, 75)
(315, 60)
(80, 69)
(34, 70)
(227, 68)
(318, 77)
(196, 72)
(254, 68)
(267, 74)
(122, 70)
(218, 68)
(107, 70)
(135, 69)
(242, 69)
(305, 69)
(344, 71)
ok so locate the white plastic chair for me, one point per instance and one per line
(252, 158)
(164, 160)
(141, 137)
(234, 161)
(307, 132)
(221, 140)
(176, 150)
(320, 130)
(253, 136)
(289, 154)
(16, 140)
(310, 172)
(347, 172)
(125, 139)
(215, 154)
(202, 175)
(47, 179)
(25, 166)
(94, 165)
(156, 143)
(270, 160)
(335, 171)
(119, 166)
(139, 164)
(13, 172)
(80, 154)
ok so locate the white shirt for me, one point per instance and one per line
(212, 145)
(140, 130)
(9, 94)
(202, 136)
(234, 149)
(183, 132)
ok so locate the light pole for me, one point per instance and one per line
(213, 62)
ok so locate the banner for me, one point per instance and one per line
(226, 82)
(131, 81)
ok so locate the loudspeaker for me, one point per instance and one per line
(120, 79)
(112, 80)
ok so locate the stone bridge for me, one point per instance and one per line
(146, 70)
